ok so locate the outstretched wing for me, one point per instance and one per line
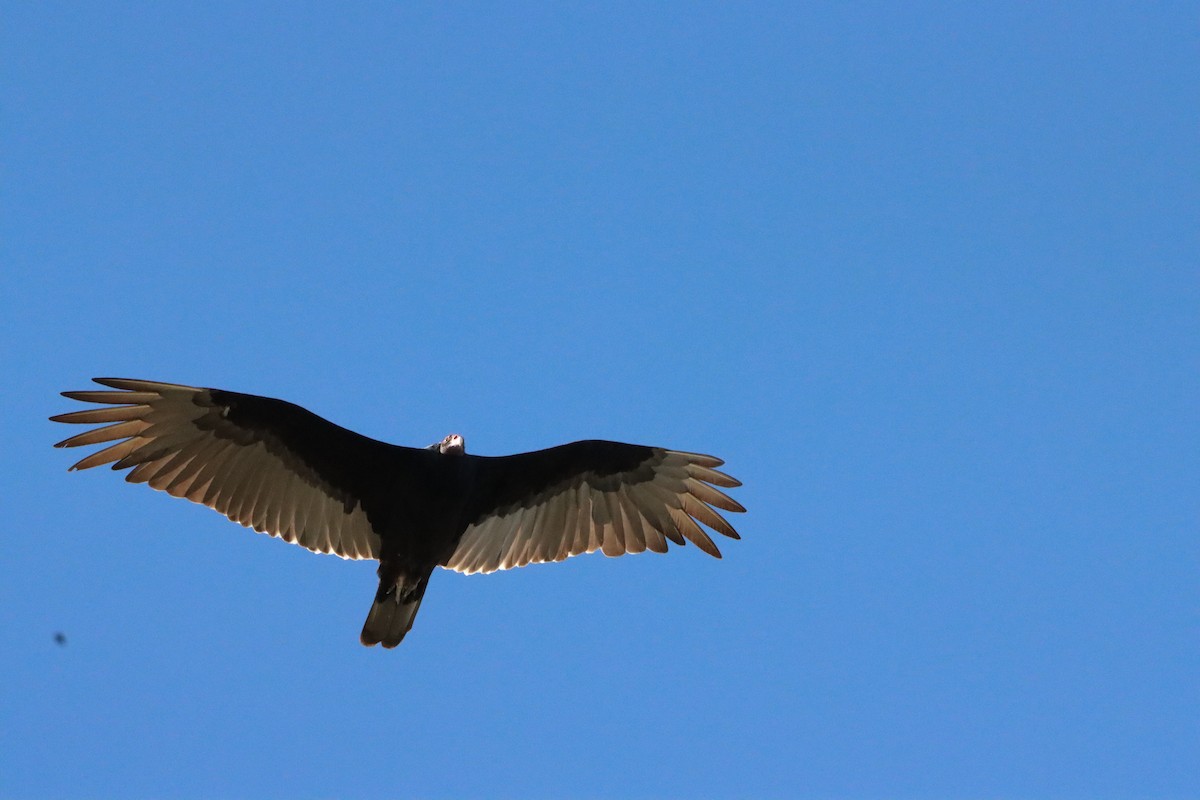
(266, 464)
(586, 496)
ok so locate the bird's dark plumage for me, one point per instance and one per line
(279, 469)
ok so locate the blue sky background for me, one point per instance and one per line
(925, 275)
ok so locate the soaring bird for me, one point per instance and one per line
(275, 467)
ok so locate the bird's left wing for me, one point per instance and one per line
(264, 463)
(586, 496)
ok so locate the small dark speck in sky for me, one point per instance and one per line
(60, 638)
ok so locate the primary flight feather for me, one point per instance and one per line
(273, 466)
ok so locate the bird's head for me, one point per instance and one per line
(452, 445)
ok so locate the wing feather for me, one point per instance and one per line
(143, 472)
(614, 532)
(656, 512)
(109, 398)
(94, 416)
(655, 540)
(522, 549)
(188, 461)
(477, 544)
(508, 538)
(554, 528)
(202, 452)
(688, 527)
(109, 433)
(229, 485)
(702, 513)
(217, 473)
(635, 538)
(709, 475)
(168, 468)
(600, 521)
(713, 497)
(583, 521)
(112, 453)
(260, 500)
(288, 501)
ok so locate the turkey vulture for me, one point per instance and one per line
(280, 469)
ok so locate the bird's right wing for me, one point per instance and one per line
(266, 464)
(587, 496)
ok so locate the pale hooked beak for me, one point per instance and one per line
(452, 445)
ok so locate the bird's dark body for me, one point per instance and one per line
(419, 517)
(281, 469)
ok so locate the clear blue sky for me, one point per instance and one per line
(925, 275)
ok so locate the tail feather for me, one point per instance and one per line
(391, 616)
